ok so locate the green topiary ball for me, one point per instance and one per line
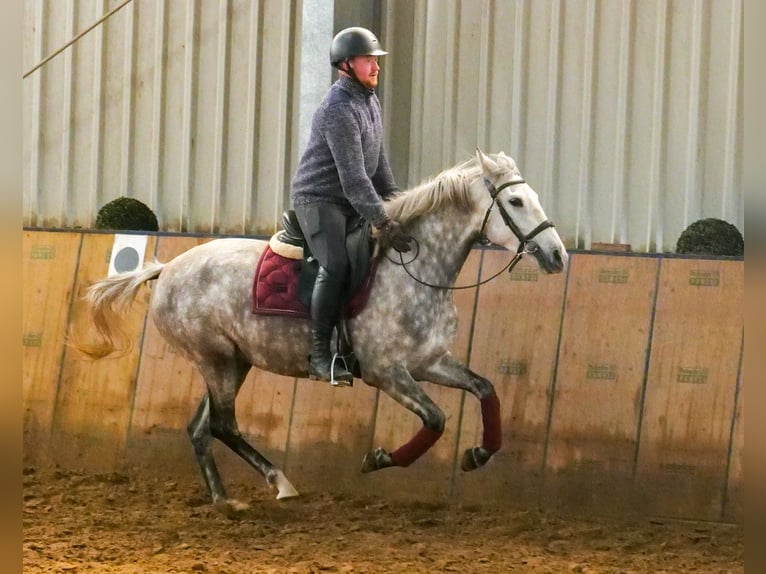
(128, 214)
(711, 237)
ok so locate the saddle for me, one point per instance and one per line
(286, 271)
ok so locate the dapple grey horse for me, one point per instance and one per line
(201, 304)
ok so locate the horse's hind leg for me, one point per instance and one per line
(224, 379)
(201, 438)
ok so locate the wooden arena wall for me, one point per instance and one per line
(620, 382)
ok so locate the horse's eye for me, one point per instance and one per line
(516, 202)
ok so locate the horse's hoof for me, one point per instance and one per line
(229, 507)
(278, 480)
(474, 457)
(375, 460)
(284, 487)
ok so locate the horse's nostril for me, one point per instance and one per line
(557, 255)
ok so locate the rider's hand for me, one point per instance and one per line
(390, 234)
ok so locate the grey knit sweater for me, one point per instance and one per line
(344, 162)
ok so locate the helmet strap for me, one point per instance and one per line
(350, 71)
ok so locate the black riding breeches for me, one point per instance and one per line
(325, 226)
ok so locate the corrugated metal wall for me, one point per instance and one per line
(625, 115)
(184, 105)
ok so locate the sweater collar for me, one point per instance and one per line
(354, 88)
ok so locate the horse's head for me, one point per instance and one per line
(513, 216)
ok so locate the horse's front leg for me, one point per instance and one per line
(450, 372)
(400, 386)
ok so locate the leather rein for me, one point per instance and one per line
(520, 251)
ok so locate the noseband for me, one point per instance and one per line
(520, 251)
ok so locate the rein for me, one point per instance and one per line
(520, 251)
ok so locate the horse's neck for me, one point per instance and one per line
(444, 242)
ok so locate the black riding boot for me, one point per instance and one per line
(325, 310)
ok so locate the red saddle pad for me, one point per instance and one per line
(275, 288)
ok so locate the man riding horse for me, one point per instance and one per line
(343, 176)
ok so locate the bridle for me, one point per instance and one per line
(520, 251)
(523, 239)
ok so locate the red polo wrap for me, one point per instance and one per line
(408, 453)
(490, 417)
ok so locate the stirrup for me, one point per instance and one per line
(341, 383)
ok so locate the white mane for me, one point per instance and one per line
(450, 186)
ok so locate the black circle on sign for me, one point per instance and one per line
(126, 260)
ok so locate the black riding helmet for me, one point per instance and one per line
(353, 42)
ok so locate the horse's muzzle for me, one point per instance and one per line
(551, 262)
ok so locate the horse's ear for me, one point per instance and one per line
(488, 166)
(505, 159)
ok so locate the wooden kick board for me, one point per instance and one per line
(596, 407)
(395, 426)
(691, 387)
(330, 431)
(93, 410)
(49, 264)
(514, 346)
(168, 390)
(734, 504)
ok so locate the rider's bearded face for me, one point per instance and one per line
(366, 69)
